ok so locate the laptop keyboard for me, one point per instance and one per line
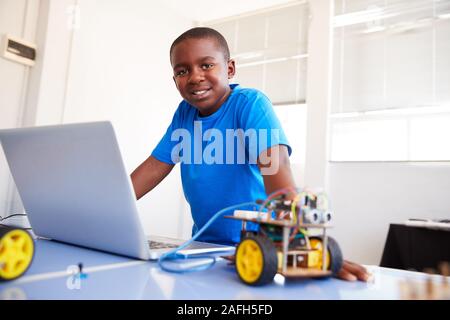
(192, 246)
(160, 245)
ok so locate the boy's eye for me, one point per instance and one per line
(207, 66)
(180, 73)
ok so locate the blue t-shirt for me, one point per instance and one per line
(218, 154)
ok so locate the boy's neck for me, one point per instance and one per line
(211, 112)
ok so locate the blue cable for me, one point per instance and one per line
(173, 255)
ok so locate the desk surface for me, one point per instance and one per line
(115, 277)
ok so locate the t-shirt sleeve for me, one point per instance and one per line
(164, 150)
(258, 117)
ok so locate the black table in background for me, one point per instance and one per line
(417, 248)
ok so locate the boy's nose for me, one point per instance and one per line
(196, 75)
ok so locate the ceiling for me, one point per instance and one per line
(207, 10)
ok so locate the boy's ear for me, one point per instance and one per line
(231, 68)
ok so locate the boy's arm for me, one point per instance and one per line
(148, 175)
(276, 162)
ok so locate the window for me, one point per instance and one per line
(270, 50)
(293, 119)
(391, 80)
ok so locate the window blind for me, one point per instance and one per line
(270, 50)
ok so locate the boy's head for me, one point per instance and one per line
(201, 65)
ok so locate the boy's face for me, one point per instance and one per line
(201, 73)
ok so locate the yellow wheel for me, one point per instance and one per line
(16, 252)
(333, 257)
(256, 260)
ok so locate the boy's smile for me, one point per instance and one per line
(201, 73)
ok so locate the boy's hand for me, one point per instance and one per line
(351, 272)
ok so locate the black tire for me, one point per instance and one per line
(336, 256)
(270, 260)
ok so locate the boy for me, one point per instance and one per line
(216, 171)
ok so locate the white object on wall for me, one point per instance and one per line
(18, 50)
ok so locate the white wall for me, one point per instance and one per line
(367, 197)
(48, 79)
(110, 62)
(17, 18)
(318, 90)
(120, 71)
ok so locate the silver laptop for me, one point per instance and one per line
(75, 189)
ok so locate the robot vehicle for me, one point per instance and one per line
(285, 242)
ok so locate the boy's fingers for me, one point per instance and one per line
(345, 275)
(357, 270)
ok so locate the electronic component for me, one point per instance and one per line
(312, 216)
(325, 216)
(247, 214)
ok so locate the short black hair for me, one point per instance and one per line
(202, 33)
